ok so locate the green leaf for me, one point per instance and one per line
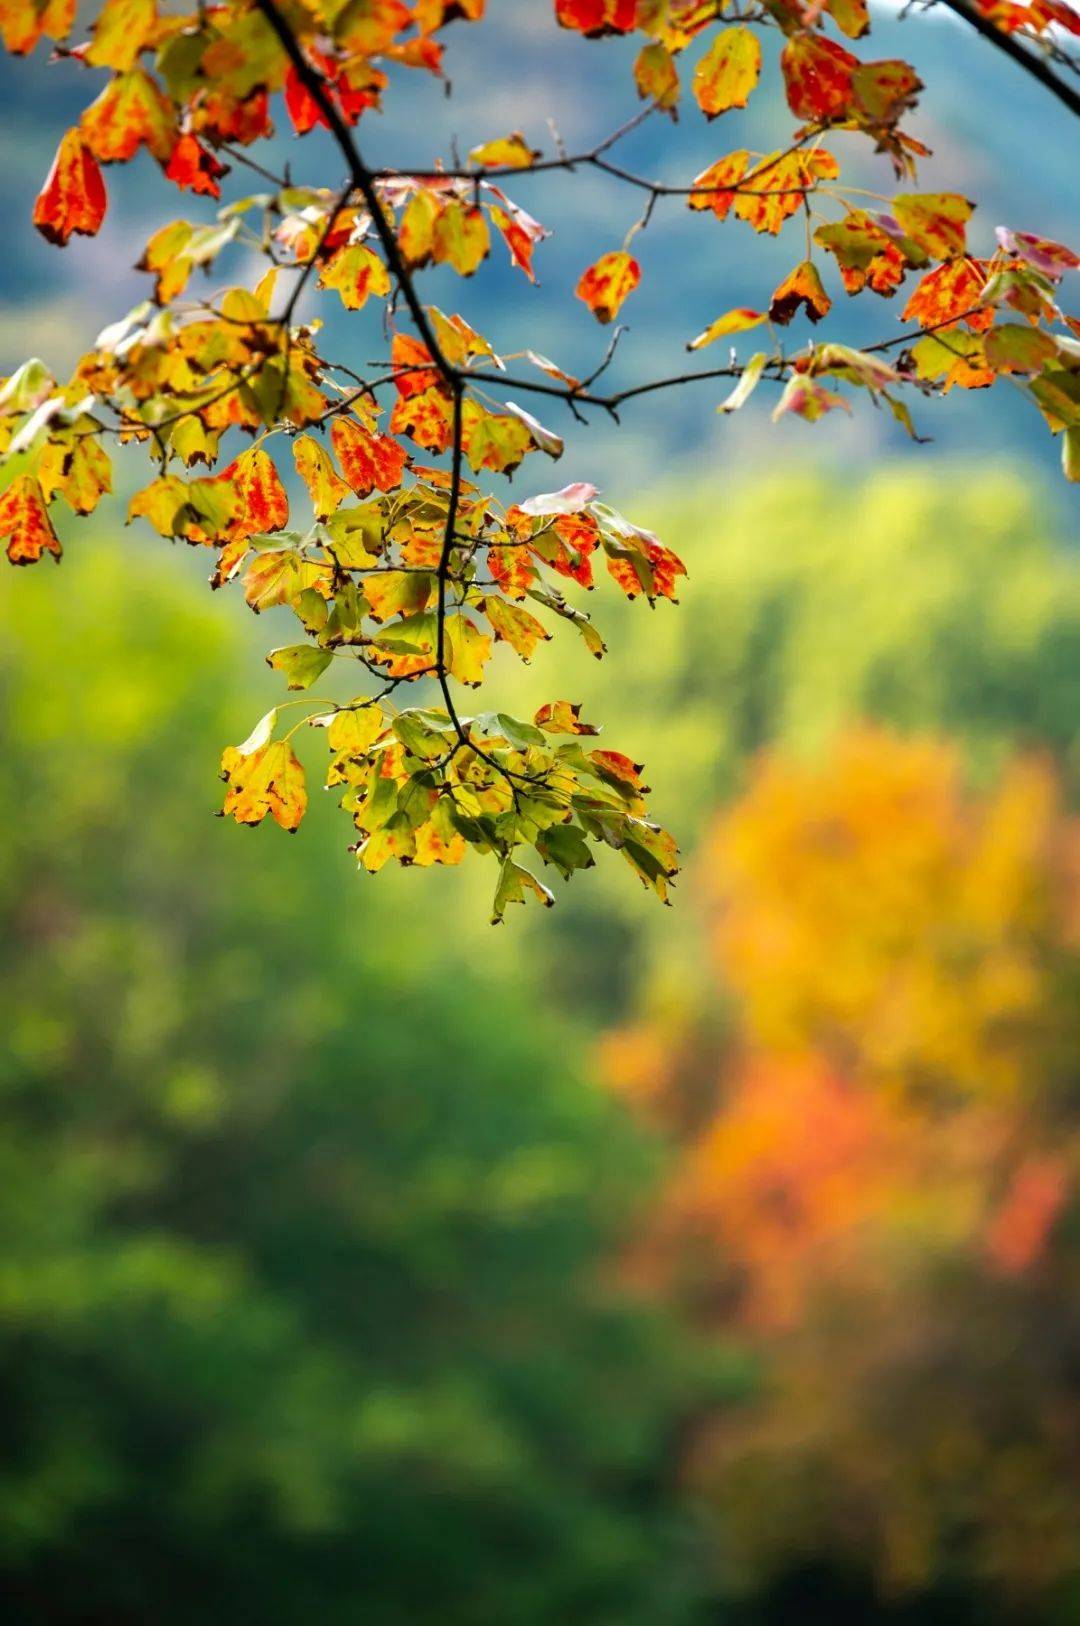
(300, 663)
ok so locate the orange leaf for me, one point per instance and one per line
(607, 283)
(368, 462)
(130, 112)
(23, 22)
(24, 520)
(73, 197)
(711, 187)
(867, 257)
(776, 187)
(193, 166)
(800, 287)
(262, 505)
(411, 361)
(948, 293)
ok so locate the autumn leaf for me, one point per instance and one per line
(713, 188)
(515, 883)
(657, 77)
(357, 273)
(951, 291)
(261, 503)
(607, 283)
(25, 522)
(817, 77)
(81, 473)
(194, 168)
(122, 30)
(953, 358)
(803, 287)
(73, 197)
(268, 779)
(368, 462)
(808, 399)
(866, 255)
(300, 664)
(935, 221)
(468, 648)
(1014, 348)
(23, 22)
(775, 188)
(515, 626)
(728, 72)
(1052, 259)
(506, 152)
(460, 238)
(739, 320)
(562, 717)
(315, 467)
(131, 112)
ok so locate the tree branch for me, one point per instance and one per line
(1031, 63)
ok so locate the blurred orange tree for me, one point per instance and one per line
(876, 1162)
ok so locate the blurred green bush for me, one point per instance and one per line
(302, 1210)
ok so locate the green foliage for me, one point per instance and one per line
(301, 1218)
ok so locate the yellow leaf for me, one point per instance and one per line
(739, 320)
(728, 72)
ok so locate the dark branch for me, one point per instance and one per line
(1030, 61)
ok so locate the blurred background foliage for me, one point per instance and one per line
(358, 1262)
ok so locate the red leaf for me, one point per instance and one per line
(817, 77)
(24, 519)
(368, 462)
(193, 166)
(73, 197)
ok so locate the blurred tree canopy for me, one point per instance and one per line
(878, 1171)
(300, 1286)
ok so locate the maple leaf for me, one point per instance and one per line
(314, 466)
(866, 255)
(368, 462)
(778, 184)
(713, 188)
(25, 522)
(131, 112)
(264, 779)
(73, 197)
(357, 273)
(934, 221)
(520, 232)
(803, 287)
(728, 72)
(596, 17)
(817, 77)
(516, 626)
(122, 30)
(657, 77)
(460, 237)
(739, 320)
(261, 503)
(506, 152)
(194, 168)
(948, 293)
(606, 284)
(24, 22)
